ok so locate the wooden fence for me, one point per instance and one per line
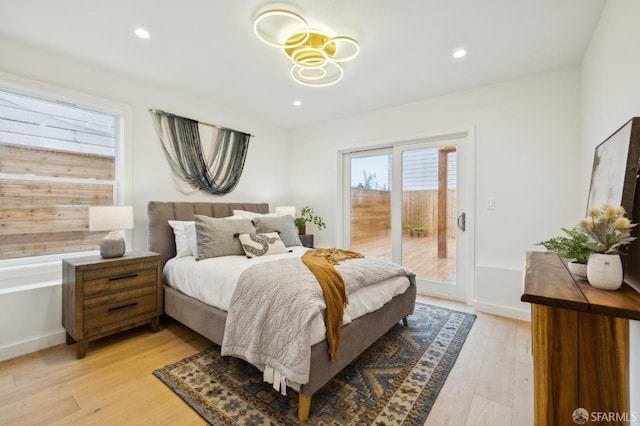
(49, 216)
(371, 212)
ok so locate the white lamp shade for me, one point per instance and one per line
(110, 218)
(286, 210)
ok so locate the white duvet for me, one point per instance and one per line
(212, 281)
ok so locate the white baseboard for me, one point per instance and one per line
(424, 290)
(504, 311)
(28, 346)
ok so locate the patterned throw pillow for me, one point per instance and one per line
(255, 245)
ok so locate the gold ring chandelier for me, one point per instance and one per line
(317, 58)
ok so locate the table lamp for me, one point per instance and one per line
(112, 219)
(286, 210)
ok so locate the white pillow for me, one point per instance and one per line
(250, 215)
(255, 245)
(185, 235)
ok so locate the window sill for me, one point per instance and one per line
(28, 287)
(33, 273)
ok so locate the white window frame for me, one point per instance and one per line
(42, 271)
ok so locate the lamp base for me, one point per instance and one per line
(112, 245)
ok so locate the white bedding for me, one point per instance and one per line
(212, 281)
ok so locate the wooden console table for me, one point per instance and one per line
(580, 342)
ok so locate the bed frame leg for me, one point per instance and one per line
(405, 321)
(304, 404)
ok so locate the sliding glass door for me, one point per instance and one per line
(370, 203)
(404, 203)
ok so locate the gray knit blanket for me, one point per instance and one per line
(274, 303)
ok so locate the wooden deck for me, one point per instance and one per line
(420, 254)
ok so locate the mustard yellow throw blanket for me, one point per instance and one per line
(321, 263)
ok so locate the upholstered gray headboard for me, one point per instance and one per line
(161, 239)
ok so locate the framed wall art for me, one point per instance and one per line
(615, 168)
(614, 180)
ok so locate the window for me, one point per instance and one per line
(56, 160)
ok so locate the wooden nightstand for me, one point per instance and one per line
(307, 240)
(105, 296)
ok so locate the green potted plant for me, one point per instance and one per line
(419, 231)
(572, 247)
(306, 216)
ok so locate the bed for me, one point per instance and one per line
(210, 321)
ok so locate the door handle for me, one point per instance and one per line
(462, 222)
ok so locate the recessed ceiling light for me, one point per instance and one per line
(297, 103)
(460, 53)
(142, 33)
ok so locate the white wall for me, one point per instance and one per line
(526, 140)
(527, 157)
(610, 97)
(265, 176)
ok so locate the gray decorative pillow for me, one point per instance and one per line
(219, 236)
(255, 245)
(283, 225)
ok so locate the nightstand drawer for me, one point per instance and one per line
(116, 270)
(101, 311)
(106, 296)
(114, 279)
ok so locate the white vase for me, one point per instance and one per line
(604, 271)
(578, 270)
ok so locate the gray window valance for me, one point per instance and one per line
(217, 173)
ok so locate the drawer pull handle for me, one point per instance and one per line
(123, 306)
(122, 277)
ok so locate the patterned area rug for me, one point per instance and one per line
(394, 382)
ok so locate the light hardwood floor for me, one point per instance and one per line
(490, 384)
(492, 380)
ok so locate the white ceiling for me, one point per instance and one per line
(207, 47)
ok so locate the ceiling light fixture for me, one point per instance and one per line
(297, 103)
(317, 58)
